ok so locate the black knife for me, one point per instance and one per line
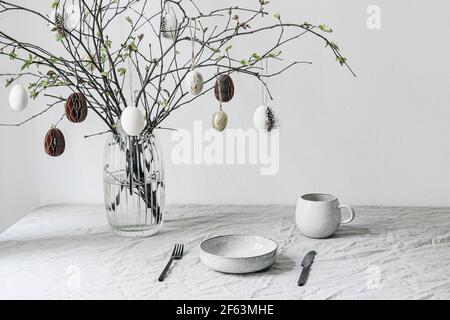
(306, 264)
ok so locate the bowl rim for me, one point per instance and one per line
(239, 235)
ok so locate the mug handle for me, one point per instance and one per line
(352, 213)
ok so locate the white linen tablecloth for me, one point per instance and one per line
(68, 252)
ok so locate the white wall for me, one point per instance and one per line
(379, 139)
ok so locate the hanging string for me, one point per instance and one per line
(219, 86)
(264, 92)
(130, 78)
(193, 39)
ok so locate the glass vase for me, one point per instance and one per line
(133, 180)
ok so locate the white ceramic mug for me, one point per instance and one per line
(318, 215)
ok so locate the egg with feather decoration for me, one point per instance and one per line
(18, 98)
(264, 118)
(220, 120)
(169, 25)
(194, 82)
(132, 121)
(224, 88)
(76, 107)
(54, 142)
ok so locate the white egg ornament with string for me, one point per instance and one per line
(194, 79)
(264, 118)
(194, 82)
(132, 121)
(18, 98)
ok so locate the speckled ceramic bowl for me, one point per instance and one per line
(238, 253)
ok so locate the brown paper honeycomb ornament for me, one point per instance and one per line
(54, 142)
(76, 107)
(225, 84)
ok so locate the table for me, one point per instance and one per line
(68, 252)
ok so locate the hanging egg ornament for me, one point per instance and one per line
(220, 120)
(54, 142)
(18, 98)
(132, 121)
(76, 107)
(194, 82)
(225, 84)
(169, 25)
(73, 17)
(264, 118)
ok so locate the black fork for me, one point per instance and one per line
(177, 254)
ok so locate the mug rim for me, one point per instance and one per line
(331, 197)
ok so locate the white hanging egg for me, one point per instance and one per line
(132, 121)
(18, 98)
(169, 25)
(72, 18)
(194, 82)
(264, 118)
(220, 120)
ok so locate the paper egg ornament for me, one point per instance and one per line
(220, 120)
(54, 143)
(169, 25)
(132, 121)
(225, 84)
(18, 98)
(76, 107)
(264, 118)
(194, 82)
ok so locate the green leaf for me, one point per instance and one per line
(256, 56)
(27, 63)
(129, 20)
(277, 16)
(12, 55)
(274, 54)
(132, 47)
(121, 71)
(325, 28)
(9, 82)
(59, 37)
(54, 4)
(245, 62)
(341, 60)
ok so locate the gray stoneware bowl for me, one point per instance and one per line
(238, 253)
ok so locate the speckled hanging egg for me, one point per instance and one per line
(18, 98)
(169, 25)
(194, 82)
(225, 84)
(220, 120)
(54, 143)
(264, 118)
(76, 107)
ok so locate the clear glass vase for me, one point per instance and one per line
(133, 179)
